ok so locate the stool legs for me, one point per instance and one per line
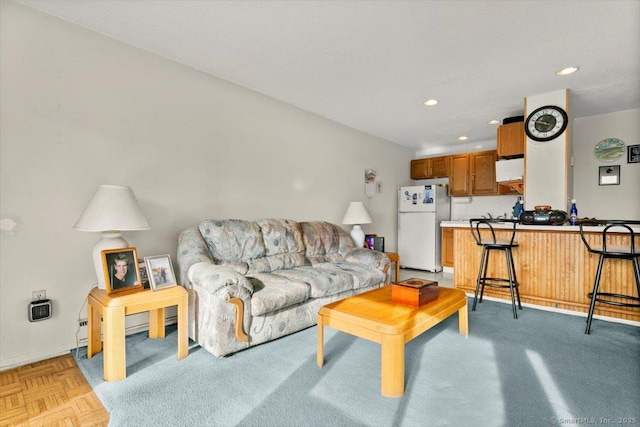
(636, 268)
(594, 294)
(596, 284)
(482, 273)
(512, 280)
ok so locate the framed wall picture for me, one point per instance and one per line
(121, 271)
(609, 175)
(160, 272)
(609, 149)
(633, 153)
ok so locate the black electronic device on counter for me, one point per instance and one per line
(543, 217)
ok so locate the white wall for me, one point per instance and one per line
(79, 109)
(606, 201)
(463, 208)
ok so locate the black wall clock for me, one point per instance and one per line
(546, 123)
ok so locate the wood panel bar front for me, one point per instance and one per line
(554, 269)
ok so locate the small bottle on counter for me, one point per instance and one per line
(518, 208)
(573, 213)
(521, 208)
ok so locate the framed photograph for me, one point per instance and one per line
(121, 271)
(609, 175)
(160, 272)
(144, 277)
(633, 153)
(368, 240)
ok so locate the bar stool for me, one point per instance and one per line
(489, 242)
(608, 250)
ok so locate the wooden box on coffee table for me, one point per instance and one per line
(414, 292)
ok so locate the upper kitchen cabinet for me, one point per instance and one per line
(483, 172)
(473, 174)
(510, 140)
(419, 168)
(459, 175)
(434, 167)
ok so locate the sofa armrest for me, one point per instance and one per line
(191, 249)
(216, 285)
(221, 281)
(368, 257)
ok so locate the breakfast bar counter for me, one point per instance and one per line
(553, 267)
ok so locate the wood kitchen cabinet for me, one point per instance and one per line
(419, 168)
(447, 247)
(470, 174)
(510, 140)
(459, 175)
(439, 167)
(433, 167)
(473, 174)
(482, 167)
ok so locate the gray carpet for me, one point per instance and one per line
(538, 370)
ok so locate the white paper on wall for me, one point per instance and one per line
(370, 183)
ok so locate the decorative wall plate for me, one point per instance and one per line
(609, 149)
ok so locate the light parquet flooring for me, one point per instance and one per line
(52, 392)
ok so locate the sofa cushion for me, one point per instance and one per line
(273, 292)
(362, 275)
(325, 242)
(284, 246)
(232, 240)
(321, 282)
(242, 245)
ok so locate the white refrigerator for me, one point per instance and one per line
(420, 210)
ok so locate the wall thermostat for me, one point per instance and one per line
(39, 310)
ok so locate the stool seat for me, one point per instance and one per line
(500, 244)
(606, 250)
(484, 234)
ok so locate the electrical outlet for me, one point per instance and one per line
(82, 322)
(38, 295)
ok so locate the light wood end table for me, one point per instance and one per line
(372, 315)
(113, 309)
(395, 258)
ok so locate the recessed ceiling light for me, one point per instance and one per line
(431, 102)
(493, 122)
(566, 71)
(463, 138)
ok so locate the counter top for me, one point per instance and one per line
(559, 228)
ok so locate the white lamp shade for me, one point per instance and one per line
(356, 214)
(112, 208)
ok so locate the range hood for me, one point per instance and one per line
(509, 170)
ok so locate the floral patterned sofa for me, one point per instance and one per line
(252, 282)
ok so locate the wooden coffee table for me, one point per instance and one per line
(373, 316)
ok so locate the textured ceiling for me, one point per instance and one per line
(371, 64)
